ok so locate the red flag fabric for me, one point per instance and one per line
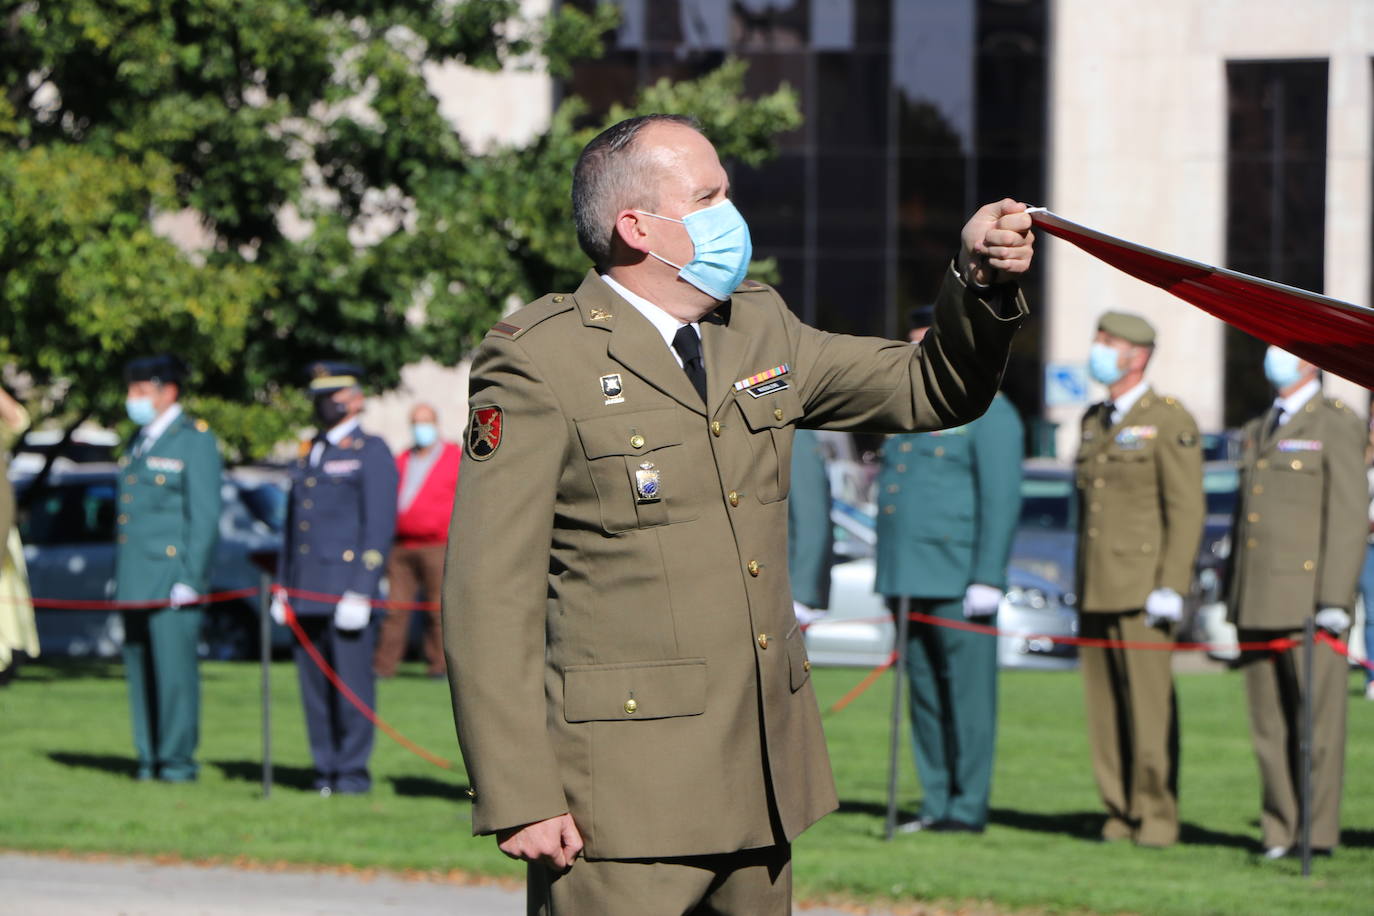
(1335, 335)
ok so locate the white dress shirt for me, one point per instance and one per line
(666, 324)
(335, 436)
(154, 430)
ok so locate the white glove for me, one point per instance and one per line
(1164, 605)
(981, 600)
(183, 594)
(807, 614)
(352, 612)
(278, 610)
(1333, 620)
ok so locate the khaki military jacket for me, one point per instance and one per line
(1140, 504)
(617, 617)
(1300, 533)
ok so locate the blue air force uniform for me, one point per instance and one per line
(948, 506)
(340, 523)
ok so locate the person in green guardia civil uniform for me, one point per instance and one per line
(810, 536)
(169, 507)
(948, 504)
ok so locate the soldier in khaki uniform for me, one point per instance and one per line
(629, 680)
(1299, 544)
(1141, 508)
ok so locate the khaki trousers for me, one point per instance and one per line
(409, 570)
(1133, 728)
(753, 882)
(1273, 686)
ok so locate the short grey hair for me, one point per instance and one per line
(611, 175)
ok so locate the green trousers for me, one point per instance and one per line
(952, 678)
(161, 666)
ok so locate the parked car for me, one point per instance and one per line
(68, 531)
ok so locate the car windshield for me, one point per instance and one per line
(1047, 503)
(70, 513)
(1220, 486)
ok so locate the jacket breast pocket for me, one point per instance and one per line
(639, 468)
(770, 420)
(634, 690)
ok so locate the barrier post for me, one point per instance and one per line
(895, 733)
(265, 663)
(1309, 636)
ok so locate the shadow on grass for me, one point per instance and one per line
(1360, 839)
(108, 763)
(70, 669)
(424, 787)
(1087, 825)
(251, 771)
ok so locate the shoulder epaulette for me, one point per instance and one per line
(521, 320)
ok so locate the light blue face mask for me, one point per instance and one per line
(426, 434)
(720, 237)
(141, 410)
(1104, 364)
(1281, 368)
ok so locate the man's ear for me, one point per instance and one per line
(631, 230)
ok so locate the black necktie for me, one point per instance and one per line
(1270, 425)
(688, 346)
(1107, 410)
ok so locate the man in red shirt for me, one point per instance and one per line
(424, 503)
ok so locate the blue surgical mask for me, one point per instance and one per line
(1104, 364)
(141, 410)
(426, 434)
(720, 237)
(1281, 368)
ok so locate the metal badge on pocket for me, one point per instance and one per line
(647, 483)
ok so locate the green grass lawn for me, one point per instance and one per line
(66, 765)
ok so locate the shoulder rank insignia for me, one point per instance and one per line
(202, 426)
(484, 432)
(505, 327)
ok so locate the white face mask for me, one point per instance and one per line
(722, 249)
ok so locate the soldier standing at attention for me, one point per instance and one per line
(169, 505)
(1299, 545)
(1140, 514)
(629, 679)
(948, 504)
(339, 525)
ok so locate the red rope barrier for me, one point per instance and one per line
(349, 695)
(78, 604)
(859, 689)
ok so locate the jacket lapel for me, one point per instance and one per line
(725, 350)
(635, 343)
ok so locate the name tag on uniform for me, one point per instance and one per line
(1299, 445)
(342, 466)
(768, 388)
(171, 465)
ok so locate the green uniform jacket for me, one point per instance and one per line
(617, 617)
(948, 504)
(810, 537)
(1299, 538)
(169, 507)
(1140, 504)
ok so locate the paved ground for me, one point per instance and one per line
(132, 887)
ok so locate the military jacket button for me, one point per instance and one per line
(906, 446)
(1309, 565)
(631, 706)
(1257, 489)
(777, 413)
(160, 479)
(171, 551)
(309, 481)
(305, 548)
(715, 428)
(734, 498)
(348, 556)
(127, 498)
(132, 478)
(940, 452)
(889, 510)
(307, 504)
(305, 526)
(1253, 517)
(1252, 543)
(1262, 463)
(1297, 465)
(123, 519)
(637, 441)
(763, 640)
(753, 568)
(472, 793)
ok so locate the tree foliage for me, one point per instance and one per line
(346, 216)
